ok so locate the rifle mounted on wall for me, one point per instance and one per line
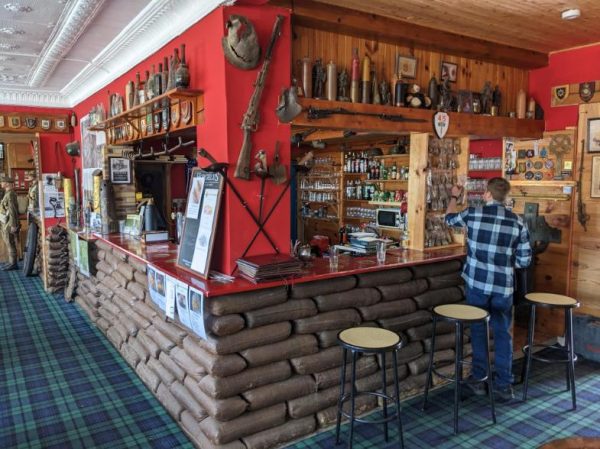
(251, 117)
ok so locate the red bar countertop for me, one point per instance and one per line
(164, 255)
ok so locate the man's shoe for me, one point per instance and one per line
(477, 388)
(9, 267)
(504, 394)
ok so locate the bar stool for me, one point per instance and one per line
(368, 340)
(460, 315)
(550, 300)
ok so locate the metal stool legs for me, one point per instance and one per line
(353, 393)
(571, 355)
(429, 380)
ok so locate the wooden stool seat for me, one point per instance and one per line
(461, 312)
(369, 338)
(551, 299)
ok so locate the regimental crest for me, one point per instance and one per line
(175, 115)
(559, 93)
(1, 121)
(157, 120)
(166, 121)
(30, 122)
(15, 122)
(61, 124)
(46, 124)
(587, 90)
(441, 123)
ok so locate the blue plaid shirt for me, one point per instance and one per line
(498, 242)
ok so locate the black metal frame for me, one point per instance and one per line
(457, 379)
(354, 393)
(568, 350)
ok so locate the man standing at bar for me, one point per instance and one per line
(9, 221)
(497, 242)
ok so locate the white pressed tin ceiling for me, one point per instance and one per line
(56, 53)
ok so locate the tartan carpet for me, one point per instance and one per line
(63, 385)
(545, 417)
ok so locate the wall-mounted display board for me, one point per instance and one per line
(201, 216)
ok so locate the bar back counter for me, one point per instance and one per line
(268, 371)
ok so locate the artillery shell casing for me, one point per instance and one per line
(366, 91)
(307, 77)
(331, 90)
(355, 91)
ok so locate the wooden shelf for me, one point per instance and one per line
(148, 107)
(354, 174)
(156, 161)
(553, 183)
(328, 203)
(396, 181)
(393, 156)
(386, 203)
(356, 201)
(332, 220)
(318, 190)
(460, 124)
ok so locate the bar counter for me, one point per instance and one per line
(268, 370)
(163, 256)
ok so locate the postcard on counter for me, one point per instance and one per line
(170, 296)
(181, 295)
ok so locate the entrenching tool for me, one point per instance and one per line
(276, 170)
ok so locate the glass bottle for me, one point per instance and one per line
(182, 75)
(137, 90)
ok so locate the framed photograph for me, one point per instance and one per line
(407, 66)
(120, 170)
(465, 101)
(449, 71)
(595, 191)
(593, 135)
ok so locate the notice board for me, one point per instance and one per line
(201, 215)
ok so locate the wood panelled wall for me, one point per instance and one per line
(585, 269)
(472, 74)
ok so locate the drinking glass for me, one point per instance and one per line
(333, 258)
(381, 249)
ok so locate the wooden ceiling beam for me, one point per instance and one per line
(311, 14)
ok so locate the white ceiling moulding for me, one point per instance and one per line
(30, 97)
(155, 26)
(73, 22)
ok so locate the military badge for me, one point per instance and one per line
(559, 94)
(586, 90)
(157, 120)
(166, 121)
(60, 124)
(15, 122)
(175, 115)
(30, 122)
(46, 124)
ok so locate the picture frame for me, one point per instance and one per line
(407, 66)
(595, 187)
(448, 70)
(593, 135)
(120, 170)
(465, 101)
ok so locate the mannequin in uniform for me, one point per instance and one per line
(32, 194)
(9, 221)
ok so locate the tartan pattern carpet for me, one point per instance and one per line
(63, 385)
(546, 416)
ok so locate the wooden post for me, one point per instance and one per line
(417, 190)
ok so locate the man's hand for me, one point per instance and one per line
(456, 190)
(13, 230)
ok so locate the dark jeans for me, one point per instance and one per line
(500, 309)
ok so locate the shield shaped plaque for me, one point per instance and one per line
(186, 112)
(61, 124)
(175, 115)
(30, 122)
(15, 122)
(560, 93)
(441, 123)
(586, 90)
(46, 124)
(166, 121)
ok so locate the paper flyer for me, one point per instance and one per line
(181, 294)
(209, 205)
(170, 297)
(196, 309)
(156, 286)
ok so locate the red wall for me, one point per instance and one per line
(567, 67)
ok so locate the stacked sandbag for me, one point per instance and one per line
(57, 262)
(268, 371)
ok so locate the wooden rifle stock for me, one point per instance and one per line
(250, 122)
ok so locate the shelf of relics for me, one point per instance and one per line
(360, 117)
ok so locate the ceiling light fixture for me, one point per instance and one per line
(570, 14)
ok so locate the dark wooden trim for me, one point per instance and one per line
(311, 14)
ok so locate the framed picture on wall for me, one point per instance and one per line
(593, 135)
(407, 66)
(449, 71)
(595, 191)
(120, 170)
